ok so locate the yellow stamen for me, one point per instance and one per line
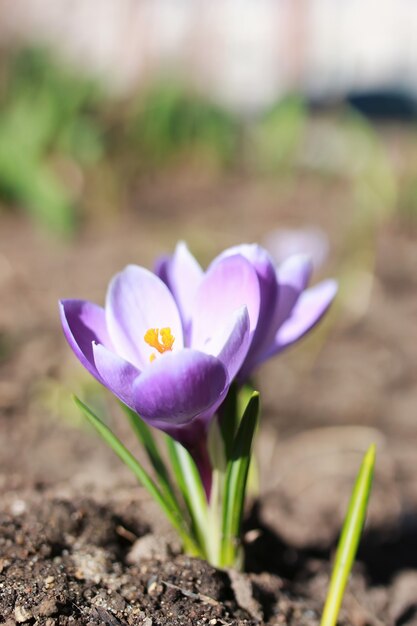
(160, 339)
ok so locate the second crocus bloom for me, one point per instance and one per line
(287, 310)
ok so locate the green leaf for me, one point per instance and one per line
(146, 438)
(216, 446)
(349, 539)
(236, 479)
(142, 476)
(31, 183)
(227, 419)
(47, 199)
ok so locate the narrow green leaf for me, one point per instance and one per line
(243, 397)
(142, 476)
(192, 489)
(227, 419)
(236, 479)
(216, 446)
(349, 538)
(146, 438)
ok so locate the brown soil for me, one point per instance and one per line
(81, 543)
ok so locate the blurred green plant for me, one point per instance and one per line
(407, 197)
(45, 112)
(344, 146)
(170, 120)
(59, 132)
(374, 200)
(276, 138)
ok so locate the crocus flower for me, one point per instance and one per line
(287, 309)
(172, 361)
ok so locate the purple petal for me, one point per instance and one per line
(84, 323)
(116, 374)
(292, 276)
(229, 284)
(263, 264)
(309, 309)
(231, 343)
(137, 300)
(161, 268)
(177, 387)
(258, 257)
(183, 275)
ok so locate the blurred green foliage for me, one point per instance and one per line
(169, 120)
(65, 144)
(45, 112)
(407, 187)
(344, 145)
(276, 138)
(51, 116)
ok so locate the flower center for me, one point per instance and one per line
(160, 339)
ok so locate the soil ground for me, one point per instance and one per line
(80, 542)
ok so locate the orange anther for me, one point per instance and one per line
(162, 340)
(167, 338)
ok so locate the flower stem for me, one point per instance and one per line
(191, 487)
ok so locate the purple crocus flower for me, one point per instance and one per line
(287, 309)
(171, 360)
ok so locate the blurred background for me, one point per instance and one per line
(126, 125)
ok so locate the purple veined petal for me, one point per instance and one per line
(137, 300)
(265, 269)
(259, 258)
(231, 343)
(161, 268)
(183, 275)
(84, 323)
(309, 309)
(292, 276)
(178, 387)
(116, 374)
(228, 285)
(263, 264)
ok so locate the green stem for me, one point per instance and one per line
(192, 489)
(214, 538)
(235, 484)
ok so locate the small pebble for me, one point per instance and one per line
(154, 588)
(22, 614)
(47, 607)
(18, 507)
(148, 547)
(3, 563)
